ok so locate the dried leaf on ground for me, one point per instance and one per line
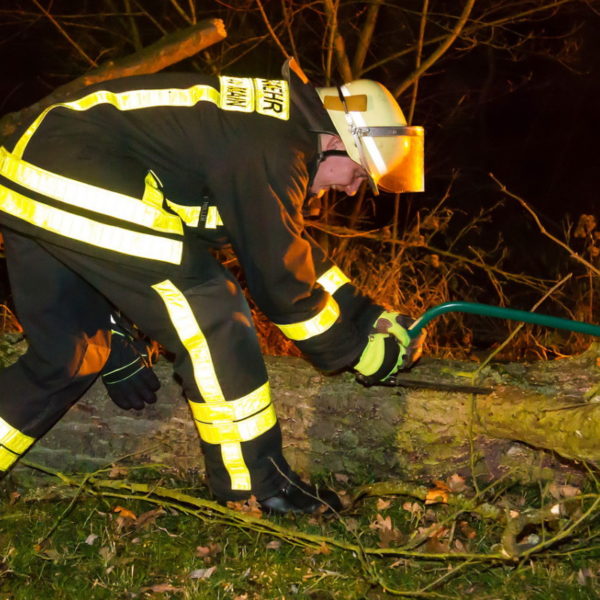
(250, 506)
(202, 573)
(437, 495)
(457, 484)
(322, 549)
(435, 546)
(160, 588)
(383, 504)
(386, 531)
(414, 508)
(208, 551)
(125, 513)
(563, 491)
(117, 471)
(467, 530)
(148, 518)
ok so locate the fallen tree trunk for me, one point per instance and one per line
(167, 51)
(535, 422)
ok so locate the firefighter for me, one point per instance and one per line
(112, 203)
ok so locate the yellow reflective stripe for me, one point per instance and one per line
(13, 439)
(315, 326)
(190, 215)
(129, 100)
(213, 218)
(272, 98)
(236, 467)
(240, 431)
(88, 231)
(332, 280)
(233, 410)
(193, 340)
(147, 212)
(237, 94)
(7, 458)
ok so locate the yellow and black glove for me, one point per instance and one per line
(128, 375)
(389, 348)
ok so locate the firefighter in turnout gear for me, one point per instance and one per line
(112, 202)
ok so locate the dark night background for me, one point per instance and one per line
(520, 102)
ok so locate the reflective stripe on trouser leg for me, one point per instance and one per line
(227, 423)
(13, 444)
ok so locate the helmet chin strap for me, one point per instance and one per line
(321, 156)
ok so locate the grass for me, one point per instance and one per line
(64, 542)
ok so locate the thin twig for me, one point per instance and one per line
(544, 231)
(440, 50)
(415, 89)
(336, 45)
(271, 30)
(519, 326)
(366, 35)
(77, 47)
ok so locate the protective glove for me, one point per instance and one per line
(128, 375)
(389, 348)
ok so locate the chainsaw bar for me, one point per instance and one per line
(396, 381)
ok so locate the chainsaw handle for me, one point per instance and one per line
(500, 312)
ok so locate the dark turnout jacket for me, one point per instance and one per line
(151, 170)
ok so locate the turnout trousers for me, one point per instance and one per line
(64, 299)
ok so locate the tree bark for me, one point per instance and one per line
(167, 51)
(534, 424)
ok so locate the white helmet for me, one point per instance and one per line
(374, 131)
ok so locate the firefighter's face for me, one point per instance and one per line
(339, 173)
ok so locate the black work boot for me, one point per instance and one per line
(298, 497)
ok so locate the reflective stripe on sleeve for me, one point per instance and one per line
(88, 231)
(332, 280)
(190, 215)
(315, 326)
(213, 218)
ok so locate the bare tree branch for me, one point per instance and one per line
(271, 30)
(473, 28)
(415, 90)
(337, 43)
(71, 41)
(135, 32)
(544, 231)
(435, 56)
(365, 38)
(167, 51)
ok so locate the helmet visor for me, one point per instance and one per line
(395, 159)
